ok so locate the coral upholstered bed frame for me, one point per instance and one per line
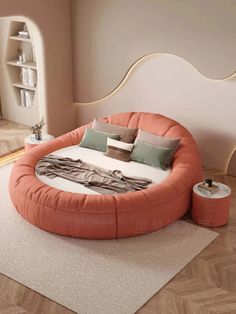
(117, 215)
(108, 216)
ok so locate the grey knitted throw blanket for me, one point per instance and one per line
(95, 178)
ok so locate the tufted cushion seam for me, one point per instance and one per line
(61, 209)
(112, 212)
(170, 127)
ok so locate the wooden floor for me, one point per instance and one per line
(206, 286)
(12, 136)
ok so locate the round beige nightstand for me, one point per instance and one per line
(31, 142)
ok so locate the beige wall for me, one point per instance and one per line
(51, 21)
(170, 86)
(110, 35)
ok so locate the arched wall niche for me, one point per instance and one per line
(50, 22)
(39, 108)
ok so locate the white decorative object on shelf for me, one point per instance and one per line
(23, 34)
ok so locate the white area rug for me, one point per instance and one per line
(94, 277)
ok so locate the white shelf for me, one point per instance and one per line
(20, 85)
(15, 37)
(31, 65)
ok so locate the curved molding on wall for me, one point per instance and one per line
(231, 167)
(171, 86)
(41, 76)
(138, 63)
(40, 56)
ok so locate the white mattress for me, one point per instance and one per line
(97, 158)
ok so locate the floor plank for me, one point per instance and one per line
(12, 136)
(207, 285)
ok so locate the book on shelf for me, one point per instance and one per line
(29, 98)
(26, 98)
(22, 97)
(32, 77)
(28, 77)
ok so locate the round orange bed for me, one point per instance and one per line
(108, 216)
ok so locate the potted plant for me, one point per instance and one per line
(37, 129)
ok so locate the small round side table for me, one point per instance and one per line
(30, 141)
(211, 210)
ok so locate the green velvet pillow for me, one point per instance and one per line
(152, 155)
(161, 141)
(96, 139)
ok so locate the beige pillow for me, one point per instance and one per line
(118, 150)
(126, 134)
(161, 141)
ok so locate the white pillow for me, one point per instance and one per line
(119, 144)
(118, 150)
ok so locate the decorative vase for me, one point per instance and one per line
(38, 136)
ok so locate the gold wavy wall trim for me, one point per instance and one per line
(135, 66)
